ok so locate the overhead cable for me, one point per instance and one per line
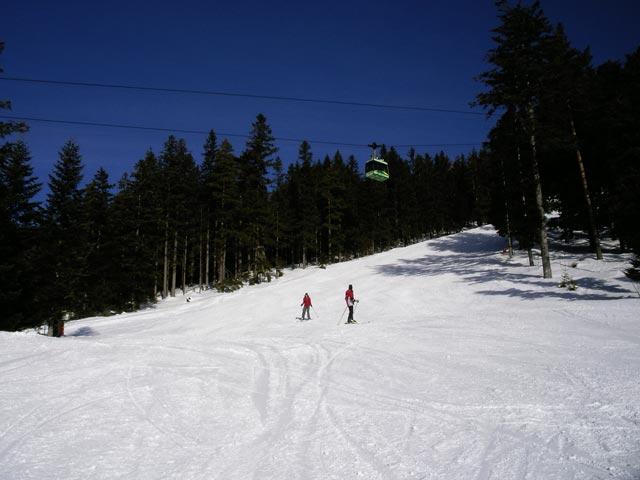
(220, 134)
(246, 95)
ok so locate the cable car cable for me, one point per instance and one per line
(246, 95)
(221, 134)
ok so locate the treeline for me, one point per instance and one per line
(175, 223)
(566, 139)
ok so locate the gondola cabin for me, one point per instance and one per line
(376, 168)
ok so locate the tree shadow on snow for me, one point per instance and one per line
(475, 258)
(84, 332)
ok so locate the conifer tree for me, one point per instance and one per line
(353, 222)
(102, 263)
(422, 188)
(516, 81)
(65, 252)
(138, 224)
(399, 197)
(278, 213)
(255, 163)
(226, 204)
(336, 179)
(565, 95)
(180, 195)
(624, 191)
(19, 227)
(207, 181)
(307, 212)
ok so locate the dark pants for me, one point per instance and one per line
(350, 319)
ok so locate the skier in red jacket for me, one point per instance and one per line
(306, 303)
(348, 297)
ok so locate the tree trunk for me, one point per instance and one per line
(329, 233)
(184, 265)
(524, 207)
(506, 210)
(593, 230)
(544, 244)
(174, 264)
(200, 266)
(222, 260)
(207, 261)
(165, 266)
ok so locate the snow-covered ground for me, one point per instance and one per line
(465, 365)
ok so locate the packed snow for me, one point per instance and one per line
(465, 364)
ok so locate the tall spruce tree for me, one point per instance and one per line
(180, 194)
(102, 264)
(19, 227)
(226, 205)
(331, 191)
(207, 221)
(307, 211)
(65, 249)
(564, 98)
(278, 208)
(625, 194)
(255, 164)
(138, 224)
(399, 197)
(516, 81)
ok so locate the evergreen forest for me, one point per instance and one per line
(566, 139)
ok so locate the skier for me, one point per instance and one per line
(348, 297)
(306, 304)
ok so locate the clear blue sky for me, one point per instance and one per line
(412, 53)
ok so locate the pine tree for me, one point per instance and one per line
(255, 163)
(516, 82)
(179, 188)
(331, 196)
(19, 227)
(625, 194)
(64, 252)
(102, 263)
(568, 77)
(226, 205)
(399, 197)
(307, 211)
(138, 224)
(207, 221)
(353, 225)
(421, 187)
(278, 214)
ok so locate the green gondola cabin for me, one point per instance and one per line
(376, 168)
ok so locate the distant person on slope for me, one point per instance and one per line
(348, 297)
(306, 304)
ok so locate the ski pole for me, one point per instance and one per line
(341, 316)
(314, 311)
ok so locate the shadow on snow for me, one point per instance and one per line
(475, 258)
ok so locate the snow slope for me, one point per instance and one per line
(466, 365)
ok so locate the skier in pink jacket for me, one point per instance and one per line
(349, 298)
(306, 304)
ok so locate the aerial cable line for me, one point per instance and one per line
(170, 130)
(246, 95)
(221, 134)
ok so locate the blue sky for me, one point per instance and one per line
(410, 53)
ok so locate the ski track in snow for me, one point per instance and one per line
(465, 365)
